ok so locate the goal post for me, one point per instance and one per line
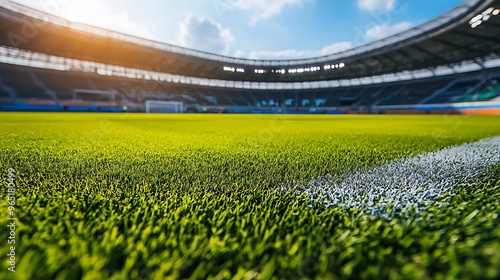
(157, 106)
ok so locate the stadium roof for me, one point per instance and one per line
(450, 39)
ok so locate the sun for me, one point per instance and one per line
(109, 15)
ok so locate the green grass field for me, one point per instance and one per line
(132, 196)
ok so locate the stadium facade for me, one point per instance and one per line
(448, 65)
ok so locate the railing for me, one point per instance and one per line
(442, 22)
(31, 59)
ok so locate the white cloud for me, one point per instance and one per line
(385, 30)
(295, 54)
(203, 33)
(374, 5)
(239, 54)
(337, 47)
(264, 9)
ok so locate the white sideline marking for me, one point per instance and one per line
(404, 184)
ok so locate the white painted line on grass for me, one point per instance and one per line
(408, 184)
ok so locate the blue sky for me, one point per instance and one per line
(256, 29)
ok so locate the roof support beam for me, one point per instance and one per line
(436, 57)
(477, 36)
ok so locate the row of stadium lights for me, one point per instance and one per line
(232, 69)
(290, 71)
(484, 16)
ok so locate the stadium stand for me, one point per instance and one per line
(454, 90)
(130, 93)
(422, 70)
(488, 91)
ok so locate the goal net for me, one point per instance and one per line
(156, 106)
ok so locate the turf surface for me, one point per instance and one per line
(197, 196)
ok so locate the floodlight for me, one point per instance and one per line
(484, 16)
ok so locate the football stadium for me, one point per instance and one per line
(129, 158)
